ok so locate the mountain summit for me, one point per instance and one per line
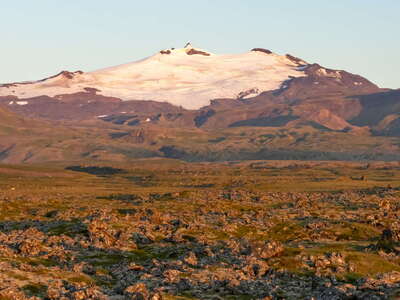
(187, 77)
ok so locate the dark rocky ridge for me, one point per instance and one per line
(197, 52)
(266, 51)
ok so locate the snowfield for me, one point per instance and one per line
(190, 81)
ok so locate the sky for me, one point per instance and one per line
(43, 37)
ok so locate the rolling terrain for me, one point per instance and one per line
(34, 141)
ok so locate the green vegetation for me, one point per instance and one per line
(86, 226)
(37, 290)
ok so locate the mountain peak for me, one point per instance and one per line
(188, 49)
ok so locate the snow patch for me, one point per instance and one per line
(329, 73)
(190, 81)
(22, 102)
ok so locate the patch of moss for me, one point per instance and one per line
(109, 259)
(70, 228)
(81, 279)
(16, 276)
(165, 252)
(370, 264)
(178, 297)
(35, 290)
(286, 232)
(41, 262)
(351, 277)
(287, 261)
(126, 211)
(355, 232)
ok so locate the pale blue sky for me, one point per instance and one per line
(42, 37)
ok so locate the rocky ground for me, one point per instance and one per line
(204, 243)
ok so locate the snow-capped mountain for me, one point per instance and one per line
(285, 102)
(186, 77)
(190, 87)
